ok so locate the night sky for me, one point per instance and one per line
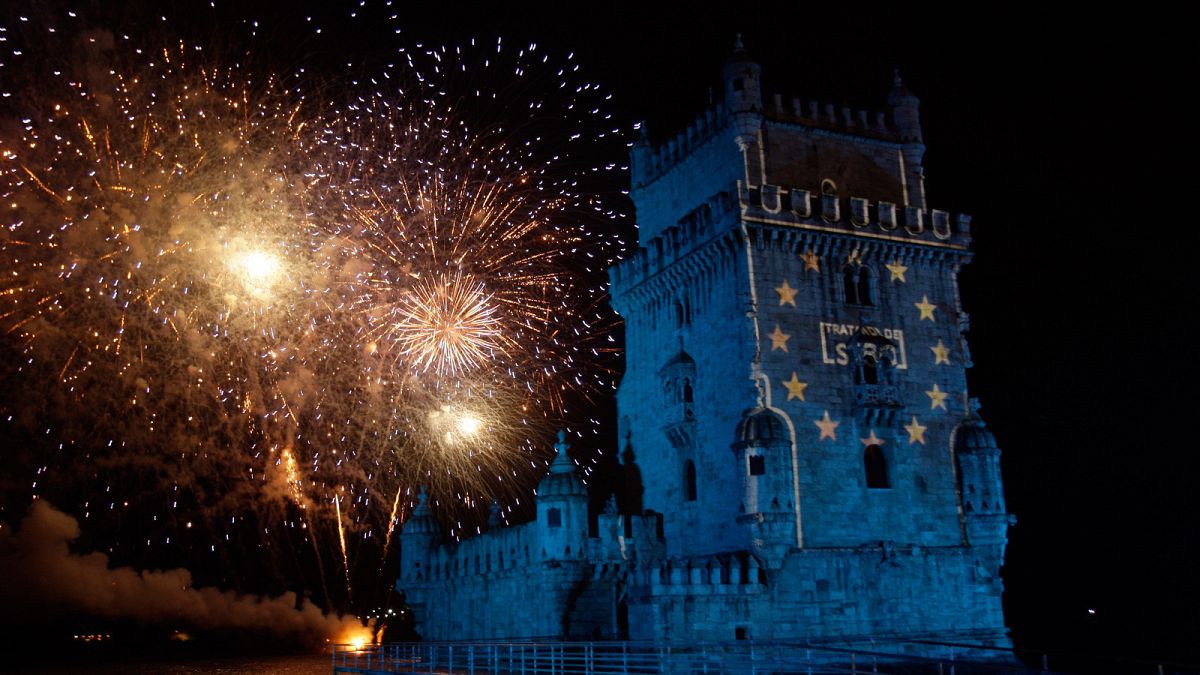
(1053, 137)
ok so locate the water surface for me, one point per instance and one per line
(306, 664)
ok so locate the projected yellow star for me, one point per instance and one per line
(871, 440)
(897, 271)
(926, 308)
(937, 398)
(787, 294)
(811, 261)
(828, 428)
(795, 388)
(916, 432)
(779, 339)
(941, 354)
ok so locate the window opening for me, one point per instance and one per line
(758, 465)
(876, 467)
(689, 479)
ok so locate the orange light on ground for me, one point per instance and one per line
(357, 637)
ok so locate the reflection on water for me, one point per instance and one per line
(307, 664)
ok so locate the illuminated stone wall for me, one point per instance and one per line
(794, 410)
(823, 320)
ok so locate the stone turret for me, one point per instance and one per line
(743, 81)
(417, 541)
(906, 116)
(678, 378)
(763, 448)
(562, 503)
(641, 157)
(906, 110)
(743, 102)
(496, 517)
(985, 518)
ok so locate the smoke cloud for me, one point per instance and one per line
(40, 574)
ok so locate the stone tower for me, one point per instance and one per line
(795, 390)
(799, 454)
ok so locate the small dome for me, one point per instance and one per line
(740, 64)
(973, 435)
(561, 485)
(561, 481)
(740, 55)
(420, 520)
(495, 516)
(760, 426)
(900, 92)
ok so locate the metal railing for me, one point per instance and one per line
(619, 658)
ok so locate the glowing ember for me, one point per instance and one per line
(357, 637)
(468, 424)
(259, 269)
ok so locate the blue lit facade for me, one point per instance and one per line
(795, 404)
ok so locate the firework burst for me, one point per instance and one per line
(465, 259)
(248, 318)
(450, 325)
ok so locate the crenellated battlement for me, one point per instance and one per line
(558, 535)
(842, 118)
(652, 161)
(627, 537)
(706, 575)
(859, 216)
(793, 207)
(701, 225)
(497, 550)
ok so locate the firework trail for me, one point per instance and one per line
(462, 294)
(243, 315)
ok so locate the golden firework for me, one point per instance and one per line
(450, 325)
(240, 304)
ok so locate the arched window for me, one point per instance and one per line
(866, 295)
(867, 370)
(553, 518)
(857, 285)
(758, 465)
(876, 467)
(831, 210)
(687, 391)
(850, 284)
(689, 481)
